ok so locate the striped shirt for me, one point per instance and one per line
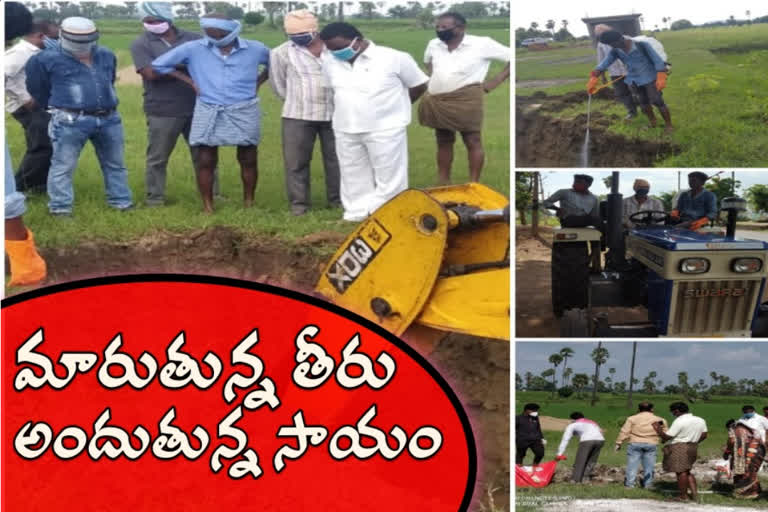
(297, 78)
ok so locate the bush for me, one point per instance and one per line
(565, 392)
(681, 25)
(253, 18)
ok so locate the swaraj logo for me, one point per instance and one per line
(357, 255)
(722, 292)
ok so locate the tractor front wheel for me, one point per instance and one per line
(575, 324)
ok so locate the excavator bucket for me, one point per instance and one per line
(436, 259)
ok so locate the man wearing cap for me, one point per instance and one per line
(578, 206)
(695, 207)
(225, 71)
(646, 72)
(33, 170)
(76, 82)
(639, 202)
(26, 265)
(458, 64)
(168, 101)
(296, 76)
(616, 71)
(373, 90)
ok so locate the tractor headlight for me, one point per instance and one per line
(694, 265)
(746, 265)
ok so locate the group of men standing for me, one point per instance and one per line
(336, 86)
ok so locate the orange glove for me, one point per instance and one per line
(661, 81)
(675, 214)
(594, 78)
(561, 457)
(699, 223)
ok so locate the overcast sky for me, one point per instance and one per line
(736, 359)
(661, 180)
(523, 13)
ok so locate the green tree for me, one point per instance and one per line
(253, 18)
(518, 382)
(398, 11)
(528, 377)
(367, 9)
(426, 18)
(599, 356)
(273, 8)
(667, 198)
(681, 25)
(649, 385)
(580, 381)
(565, 353)
(567, 372)
(757, 195)
(555, 360)
(523, 193)
(722, 187)
(612, 372)
(550, 25)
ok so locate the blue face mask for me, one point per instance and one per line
(50, 44)
(302, 39)
(224, 41)
(749, 415)
(347, 53)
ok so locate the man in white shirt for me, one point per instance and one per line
(32, 175)
(373, 89)
(616, 70)
(758, 424)
(458, 64)
(590, 443)
(682, 438)
(641, 201)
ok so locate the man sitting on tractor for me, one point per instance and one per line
(695, 207)
(641, 201)
(578, 206)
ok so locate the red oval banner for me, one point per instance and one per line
(201, 394)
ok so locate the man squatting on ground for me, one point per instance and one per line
(591, 441)
(643, 440)
(373, 89)
(528, 434)
(225, 71)
(75, 81)
(458, 63)
(616, 71)
(682, 438)
(296, 76)
(646, 72)
(168, 101)
(27, 267)
(32, 174)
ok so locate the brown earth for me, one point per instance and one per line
(477, 369)
(533, 285)
(545, 140)
(128, 76)
(552, 423)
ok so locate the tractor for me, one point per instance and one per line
(705, 283)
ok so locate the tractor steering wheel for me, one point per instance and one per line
(649, 217)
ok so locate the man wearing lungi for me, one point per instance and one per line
(682, 438)
(373, 89)
(458, 64)
(225, 72)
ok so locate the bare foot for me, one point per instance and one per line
(208, 208)
(247, 203)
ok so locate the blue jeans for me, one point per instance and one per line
(15, 204)
(69, 133)
(637, 453)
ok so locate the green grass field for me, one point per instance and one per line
(271, 216)
(717, 93)
(610, 412)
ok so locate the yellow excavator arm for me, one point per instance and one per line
(435, 258)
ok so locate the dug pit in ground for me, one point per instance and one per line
(477, 369)
(542, 139)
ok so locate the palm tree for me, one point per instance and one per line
(580, 381)
(528, 378)
(534, 25)
(612, 371)
(599, 356)
(551, 26)
(555, 360)
(713, 376)
(565, 24)
(631, 375)
(565, 352)
(550, 373)
(566, 375)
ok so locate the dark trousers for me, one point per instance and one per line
(537, 447)
(163, 132)
(649, 95)
(33, 169)
(624, 95)
(586, 458)
(298, 144)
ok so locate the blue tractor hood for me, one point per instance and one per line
(676, 239)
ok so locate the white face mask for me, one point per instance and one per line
(77, 48)
(534, 414)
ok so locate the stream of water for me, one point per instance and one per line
(585, 146)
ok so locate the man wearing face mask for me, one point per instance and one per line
(528, 434)
(373, 90)
(168, 101)
(296, 76)
(641, 201)
(227, 72)
(458, 64)
(33, 170)
(758, 424)
(76, 82)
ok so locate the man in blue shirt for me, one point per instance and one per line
(224, 70)
(695, 207)
(646, 73)
(76, 83)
